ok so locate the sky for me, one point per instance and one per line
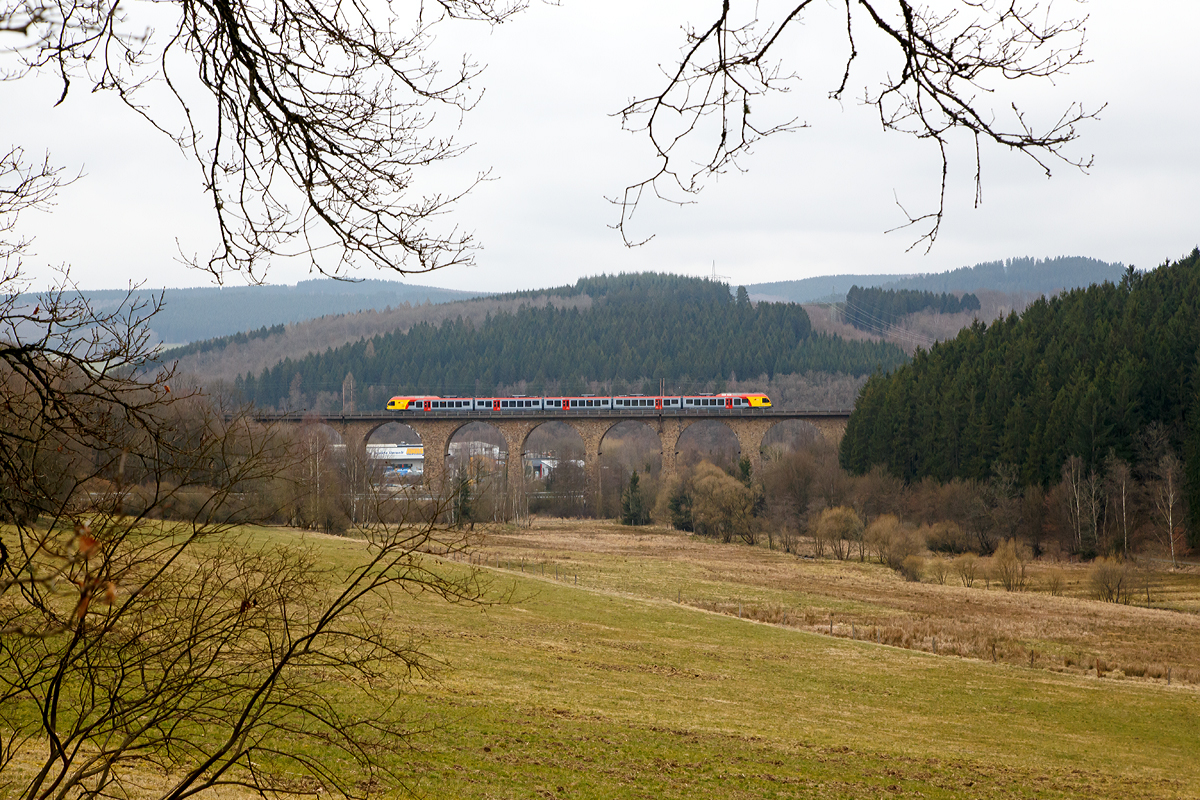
(818, 201)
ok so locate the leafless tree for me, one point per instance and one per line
(147, 647)
(1119, 486)
(1167, 493)
(143, 634)
(310, 122)
(945, 71)
(1074, 495)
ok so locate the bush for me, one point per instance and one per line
(675, 505)
(1109, 580)
(723, 506)
(1008, 566)
(966, 567)
(912, 568)
(938, 570)
(837, 528)
(879, 535)
(946, 537)
(1055, 579)
(905, 542)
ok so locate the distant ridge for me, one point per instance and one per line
(823, 288)
(1039, 276)
(189, 315)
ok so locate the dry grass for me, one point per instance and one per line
(1070, 632)
(617, 668)
(598, 682)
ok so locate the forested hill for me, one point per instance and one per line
(637, 329)
(1091, 371)
(878, 310)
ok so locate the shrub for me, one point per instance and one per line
(1008, 566)
(966, 567)
(1109, 580)
(679, 507)
(946, 537)
(1055, 579)
(722, 505)
(837, 528)
(903, 544)
(939, 568)
(879, 534)
(912, 568)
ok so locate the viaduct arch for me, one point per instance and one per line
(436, 430)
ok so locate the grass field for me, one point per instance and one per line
(600, 683)
(618, 667)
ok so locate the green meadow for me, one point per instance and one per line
(619, 663)
(606, 686)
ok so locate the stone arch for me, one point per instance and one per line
(592, 431)
(484, 454)
(789, 434)
(704, 437)
(642, 439)
(551, 451)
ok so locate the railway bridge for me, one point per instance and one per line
(437, 427)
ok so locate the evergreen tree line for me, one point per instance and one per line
(1107, 372)
(874, 309)
(638, 327)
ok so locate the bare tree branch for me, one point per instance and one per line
(310, 121)
(950, 64)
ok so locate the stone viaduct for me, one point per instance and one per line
(437, 428)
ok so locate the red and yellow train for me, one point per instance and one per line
(729, 401)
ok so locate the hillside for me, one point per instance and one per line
(1111, 368)
(636, 331)
(923, 328)
(228, 358)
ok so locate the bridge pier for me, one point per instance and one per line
(669, 431)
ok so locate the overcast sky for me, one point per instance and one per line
(813, 202)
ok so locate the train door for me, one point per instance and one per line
(729, 402)
(658, 403)
(496, 404)
(427, 404)
(566, 404)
